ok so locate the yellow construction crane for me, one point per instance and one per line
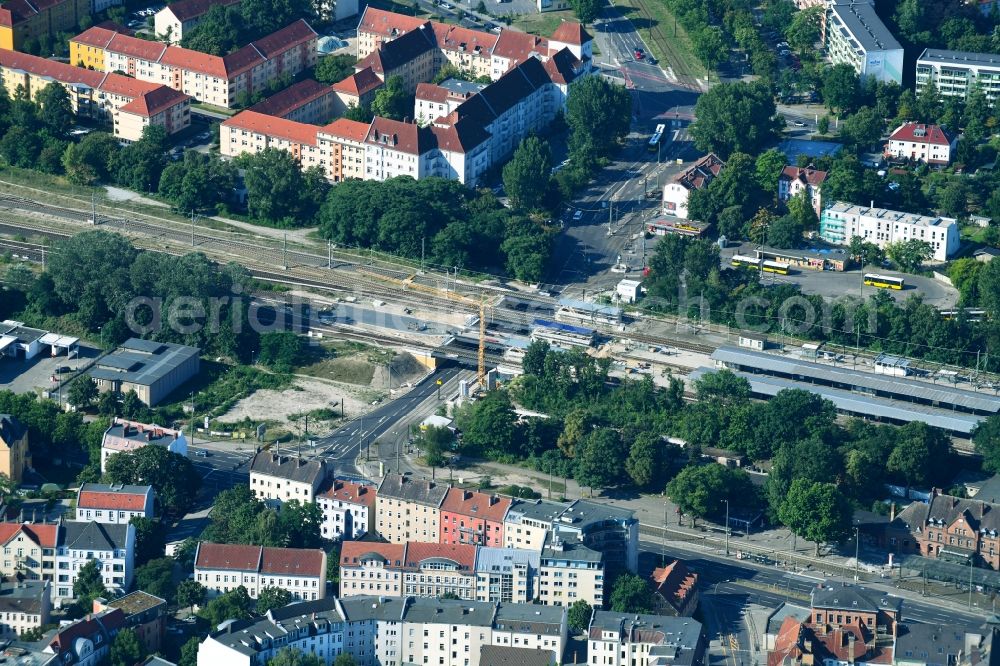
(482, 341)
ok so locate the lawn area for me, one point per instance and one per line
(657, 26)
(344, 361)
(214, 109)
(543, 24)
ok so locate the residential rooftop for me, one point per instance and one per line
(962, 58)
(865, 25)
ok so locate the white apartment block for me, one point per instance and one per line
(956, 73)
(371, 569)
(506, 575)
(283, 477)
(112, 546)
(620, 639)
(24, 605)
(222, 568)
(348, 510)
(842, 221)
(114, 503)
(377, 631)
(569, 572)
(855, 35)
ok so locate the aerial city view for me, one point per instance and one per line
(499, 332)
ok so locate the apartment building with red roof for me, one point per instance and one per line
(222, 568)
(358, 89)
(348, 509)
(371, 568)
(180, 17)
(696, 177)
(87, 641)
(114, 503)
(414, 569)
(919, 142)
(128, 105)
(307, 101)
(216, 80)
(808, 181)
(471, 517)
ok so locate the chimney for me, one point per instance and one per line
(138, 427)
(850, 648)
(892, 511)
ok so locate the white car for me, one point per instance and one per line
(577, 216)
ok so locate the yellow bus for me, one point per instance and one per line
(883, 281)
(778, 267)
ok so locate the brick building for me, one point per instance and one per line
(675, 589)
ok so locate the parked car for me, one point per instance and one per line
(577, 216)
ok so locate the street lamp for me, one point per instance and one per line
(727, 527)
(857, 548)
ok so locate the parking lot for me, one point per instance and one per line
(142, 19)
(36, 374)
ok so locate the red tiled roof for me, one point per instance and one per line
(228, 556)
(404, 137)
(352, 552)
(289, 130)
(355, 131)
(562, 67)
(95, 36)
(701, 173)
(518, 46)
(101, 623)
(360, 83)
(17, 11)
(476, 505)
(807, 175)
(155, 101)
(287, 38)
(291, 98)
(463, 554)
(456, 38)
(185, 10)
(46, 536)
(293, 562)
(136, 47)
(921, 133)
(570, 32)
(674, 582)
(387, 24)
(348, 491)
(431, 93)
(66, 74)
(110, 500)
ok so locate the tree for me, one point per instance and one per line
(150, 539)
(197, 182)
(840, 88)
(233, 605)
(172, 476)
(334, 68)
(157, 577)
(190, 593)
(20, 147)
(282, 351)
(724, 387)
(921, 455)
(290, 656)
(392, 101)
(631, 594)
(89, 162)
(599, 459)
(598, 114)
(434, 441)
(702, 490)
(800, 207)
(784, 232)
(526, 175)
(345, 659)
(272, 597)
(587, 10)
(986, 438)
(487, 423)
(865, 252)
(275, 186)
(908, 254)
(139, 165)
(578, 616)
(82, 392)
(126, 648)
(768, 168)
(823, 124)
(817, 512)
(804, 30)
(863, 128)
(88, 584)
(645, 459)
(217, 33)
(710, 47)
(735, 117)
(189, 652)
(56, 111)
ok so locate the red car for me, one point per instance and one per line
(639, 54)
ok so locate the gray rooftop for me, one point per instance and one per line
(288, 467)
(26, 654)
(989, 490)
(143, 362)
(24, 334)
(865, 26)
(889, 215)
(23, 597)
(786, 609)
(529, 618)
(373, 608)
(11, 429)
(421, 491)
(852, 598)
(856, 403)
(462, 87)
(93, 536)
(675, 639)
(540, 510)
(570, 550)
(584, 512)
(450, 611)
(960, 58)
(114, 488)
(848, 378)
(929, 644)
(490, 559)
(506, 655)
